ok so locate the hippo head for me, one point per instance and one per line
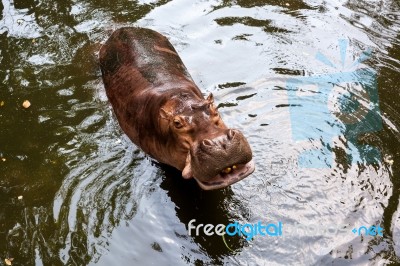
(201, 146)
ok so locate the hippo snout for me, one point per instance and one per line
(212, 155)
(220, 142)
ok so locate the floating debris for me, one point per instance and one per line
(20, 197)
(389, 160)
(26, 104)
(8, 261)
(3, 159)
(1, 103)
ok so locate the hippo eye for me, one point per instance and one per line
(177, 123)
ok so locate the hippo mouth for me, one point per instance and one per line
(227, 177)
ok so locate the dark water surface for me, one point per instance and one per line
(89, 196)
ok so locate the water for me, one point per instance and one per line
(90, 197)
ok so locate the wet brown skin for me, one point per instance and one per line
(162, 111)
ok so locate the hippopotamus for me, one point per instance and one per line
(160, 108)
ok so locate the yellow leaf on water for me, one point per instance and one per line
(2, 103)
(8, 261)
(389, 160)
(26, 104)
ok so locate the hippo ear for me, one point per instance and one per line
(210, 98)
(165, 114)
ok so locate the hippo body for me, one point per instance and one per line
(161, 110)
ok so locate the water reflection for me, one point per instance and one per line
(211, 207)
(292, 5)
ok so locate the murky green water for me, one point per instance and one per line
(75, 191)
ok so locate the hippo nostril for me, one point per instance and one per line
(207, 142)
(231, 134)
